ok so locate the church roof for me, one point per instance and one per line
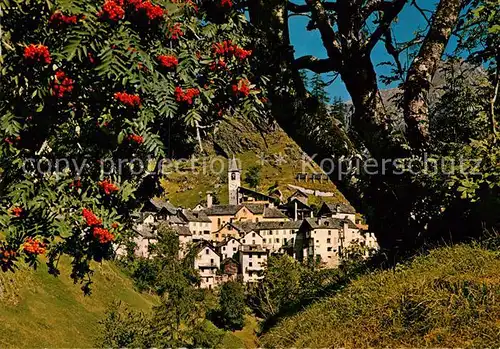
(233, 165)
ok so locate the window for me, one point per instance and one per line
(253, 242)
(256, 219)
(253, 235)
(218, 222)
(329, 232)
(216, 236)
(250, 264)
(284, 240)
(212, 261)
(270, 233)
(264, 240)
(258, 256)
(278, 240)
(250, 255)
(233, 176)
(234, 249)
(328, 241)
(329, 249)
(207, 251)
(243, 240)
(223, 248)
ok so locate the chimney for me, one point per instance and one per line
(209, 199)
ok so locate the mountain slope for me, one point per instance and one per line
(279, 157)
(39, 310)
(448, 298)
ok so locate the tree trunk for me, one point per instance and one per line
(422, 70)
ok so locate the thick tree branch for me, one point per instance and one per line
(423, 68)
(328, 37)
(330, 6)
(314, 64)
(390, 11)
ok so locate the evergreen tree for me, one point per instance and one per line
(232, 305)
(318, 89)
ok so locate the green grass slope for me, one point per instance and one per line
(448, 298)
(186, 182)
(39, 310)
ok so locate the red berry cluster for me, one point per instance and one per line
(90, 218)
(136, 138)
(186, 96)
(76, 184)
(17, 211)
(108, 187)
(218, 63)
(242, 87)
(168, 61)
(33, 246)
(58, 19)
(176, 31)
(6, 256)
(61, 84)
(152, 12)
(112, 10)
(226, 3)
(11, 141)
(229, 49)
(103, 235)
(37, 53)
(128, 99)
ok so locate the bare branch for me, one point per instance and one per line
(330, 6)
(314, 64)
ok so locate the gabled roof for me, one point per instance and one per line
(145, 231)
(325, 223)
(161, 205)
(300, 204)
(251, 232)
(254, 208)
(231, 210)
(299, 192)
(175, 220)
(246, 227)
(195, 216)
(337, 208)
(201, 246)
(271, 212)
(243, 226)
(182, 230)
(222, 210)
(254, 193)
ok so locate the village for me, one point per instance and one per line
(233, 242)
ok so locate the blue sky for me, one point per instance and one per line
(309, 42)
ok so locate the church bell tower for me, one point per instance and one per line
(234, 181)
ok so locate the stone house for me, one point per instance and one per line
(252, 262)
(324, 240)
(207, 262)
(228, 248)
(198, 223)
